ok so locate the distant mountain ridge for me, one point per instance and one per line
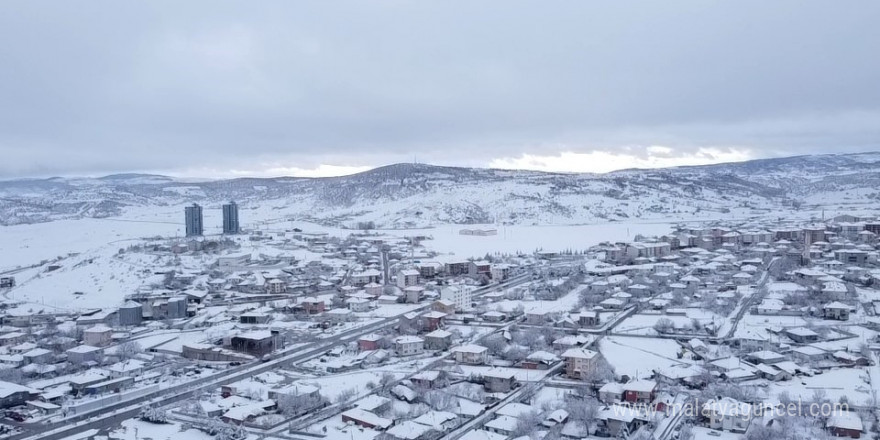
(414, 195)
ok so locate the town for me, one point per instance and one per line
(711, 331)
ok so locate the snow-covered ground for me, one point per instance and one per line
(638, 357)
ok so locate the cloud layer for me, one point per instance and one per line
(229, 88)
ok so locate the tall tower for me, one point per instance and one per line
(230, 219)
(194, 226)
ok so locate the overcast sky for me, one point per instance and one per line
(216, 89)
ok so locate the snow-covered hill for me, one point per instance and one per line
(416, 195)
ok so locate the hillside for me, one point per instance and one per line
(417, 195)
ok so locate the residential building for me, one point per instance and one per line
(470, 354)
(647, 250)
(7, 282)
(409, 345)
(845, 424)
(193, 216)
(407, 278)
(499, 380)
(446, 306)
(98, 335)
(433, 320)
(500, 272)
(358, 304)
(426, 379)
(366, 419)
(640, 391)
(480, 268)
(836, 310)
(728, 414)
(85, 353)
(312, 305)
(230, 219)
(438, 340)
(457, 268)
(255, 343)
(579, 362)
(14, 395)
(369, 342)
(361, 279)
(502, 425)
(855, 257)
(461, 296)
(802, 335)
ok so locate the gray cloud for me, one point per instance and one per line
(172, 86)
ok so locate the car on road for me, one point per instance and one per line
(17, 416)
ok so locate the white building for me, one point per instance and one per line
(579, 361)
(358, 304)
(728, 414)
(407, 278)
(234, 260)
(98, 335)
(409, 345)
(471, 354)
(461, 296)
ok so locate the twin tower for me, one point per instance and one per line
(195, 226)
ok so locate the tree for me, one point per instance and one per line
(642, 434)
(527, 423)
(225, 431)
(128, 350)
(495, 343)
(582, 409)
(440, 400)
(686, 432)
(664, 325)
(600, 372)
(515, 354)
(346, 395)
(387, 379)
(294, 405)
(193, 407)
(153, 415)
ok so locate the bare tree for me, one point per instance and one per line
(527, 423)
(153, 415)
(293, 405)
(664, 325)
(439, 400)
(346, 395)
(386, 380)
(582, 409)
(495, 343)
(128, 350)
(600, 372)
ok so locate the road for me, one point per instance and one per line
(479, 421)
(124, 410)
(751, 300)
(115, 413)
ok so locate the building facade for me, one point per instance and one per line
(230, 219)
(194, 225)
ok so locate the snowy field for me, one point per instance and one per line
(638, 357)
(852, 383)
(643, 324)
(30, 244)
(87, 249)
